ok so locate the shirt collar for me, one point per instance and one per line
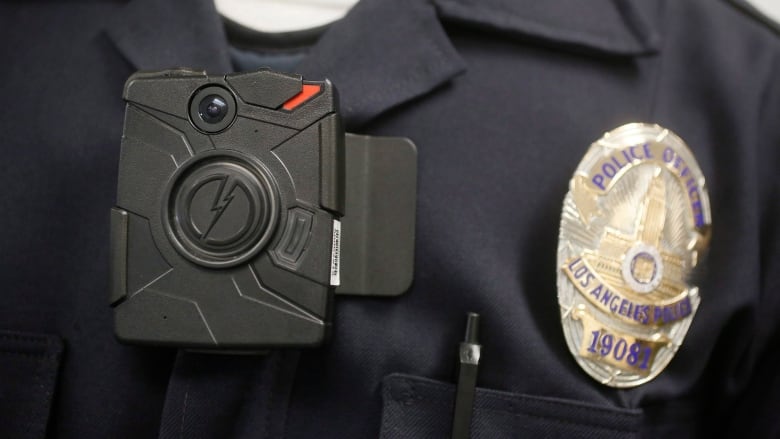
(161, 34)
(387, 52)
(606, 27)
(382, 54)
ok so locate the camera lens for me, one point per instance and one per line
(212, 109)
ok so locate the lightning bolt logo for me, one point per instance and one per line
(220, 203)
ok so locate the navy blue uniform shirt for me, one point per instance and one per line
(502, 98)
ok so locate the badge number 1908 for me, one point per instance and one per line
(635, 223)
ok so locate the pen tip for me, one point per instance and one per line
(472, 328)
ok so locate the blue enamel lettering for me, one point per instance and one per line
(668, 155)
(612, 303)
(606, 344)
(648, 154)
(589, 277)
(596, 292)
(606, 297)
(598, 180)
(620, 349)
(608, 170)
(592, 347)
(624, 307)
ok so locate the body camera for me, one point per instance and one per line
(228, 229)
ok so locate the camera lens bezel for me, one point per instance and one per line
(197, 100)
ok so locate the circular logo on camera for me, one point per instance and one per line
(221, 211)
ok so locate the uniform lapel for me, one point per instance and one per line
(382, 54)
(155, 35)
(385, 53)
(605, 27)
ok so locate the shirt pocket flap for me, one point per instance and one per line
(29, 364)
(416, 407)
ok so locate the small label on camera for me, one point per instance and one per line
(335, 256)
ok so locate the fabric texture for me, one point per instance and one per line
(502, 99)
(413, 408)
(29, 364)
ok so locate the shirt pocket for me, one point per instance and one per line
(29, 365)
(416, 407)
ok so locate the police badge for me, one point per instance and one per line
(635, 223)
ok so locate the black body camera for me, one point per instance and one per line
(243, 207)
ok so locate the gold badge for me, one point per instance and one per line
(635, 223)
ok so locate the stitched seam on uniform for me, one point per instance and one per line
(635, 24)
(656, 85)
(272, 371)
(44, 397)
(533, 415)
(293, 358)
(562, 421)
(385, 429)
(436, 58)
(416, 81)
(613, 411)
(490, 394)
(550, 30)
(184, 410)
(387, 396)
(761, 124)
(15, 337)
(271, 52)
(29, 354)
(520, 414)
(438, 45)
(38, 379)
